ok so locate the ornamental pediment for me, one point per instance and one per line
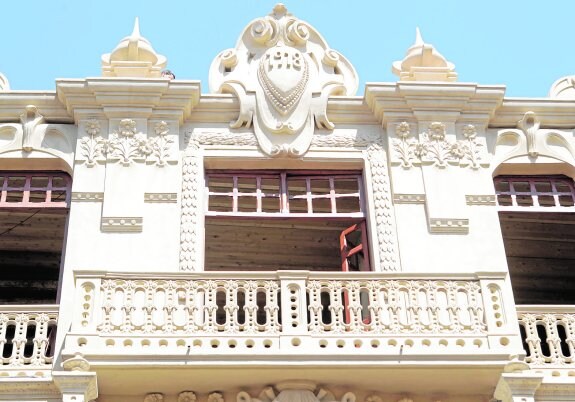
(283, 72)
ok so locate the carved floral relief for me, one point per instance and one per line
(434, 147)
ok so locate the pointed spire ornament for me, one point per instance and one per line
(133, 57)
(423, 62)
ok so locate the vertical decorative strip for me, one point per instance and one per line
(189, 238)
(384, 216)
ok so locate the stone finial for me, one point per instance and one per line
(4, 84)
(133, 57)
(423, 63)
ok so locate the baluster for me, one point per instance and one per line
(191, 307)
(336, 305)
(211, 306)
(108, 289)
(272, 306)
(251, 307)
(315, 307)
(475, 307)
(170, 306)
(149, 307)
(452, 307)
(128, 307)
(231, 306)
(532, 339)
(19, 341)
(40, 340)
(413, 308)
(394, 306)
(432, 306)
(374, 306)
(553, 339)
(355, 323)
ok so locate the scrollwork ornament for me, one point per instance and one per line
(297, 32)
(331, 57)
(261, 30)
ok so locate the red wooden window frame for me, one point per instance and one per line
(283, 194)
(530, 198)
(16, 188)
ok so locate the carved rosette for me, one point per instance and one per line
(283, 72)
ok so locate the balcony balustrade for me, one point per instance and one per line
(27, 335)
(548, 335)
(360, 315)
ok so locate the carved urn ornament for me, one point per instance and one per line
(283, 72)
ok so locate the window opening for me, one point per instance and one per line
(300, 215)
(537, 217)
(534, 191)
(33, 212)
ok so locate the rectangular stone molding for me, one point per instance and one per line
(409, 198)
(449, 225)
(161, 197)
(122, 224)
(487, 200)
(87, 196)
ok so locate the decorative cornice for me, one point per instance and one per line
(161, 197)
(487, 200)
(122, 224)
(105, 97)
(82, 196)
(448, 225)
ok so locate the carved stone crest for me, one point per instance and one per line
(283, 72)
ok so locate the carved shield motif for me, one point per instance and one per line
(283, 74)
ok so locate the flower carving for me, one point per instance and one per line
(160, 145)
(436, 131)
(469, 131)
(126, 144)
(404, 147)
(93, 146)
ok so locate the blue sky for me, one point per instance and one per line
(526, 45)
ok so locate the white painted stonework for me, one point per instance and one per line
(141, 318)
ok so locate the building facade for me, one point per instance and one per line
(281, 239)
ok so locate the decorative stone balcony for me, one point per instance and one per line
(276, 316)
(548, 335)
(27, 335)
